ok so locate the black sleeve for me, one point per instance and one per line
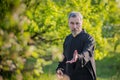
(88, 50)
(62, 64)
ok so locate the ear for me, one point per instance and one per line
(81, 22)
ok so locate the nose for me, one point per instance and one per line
(74, 26)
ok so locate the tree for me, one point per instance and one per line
(32, 32)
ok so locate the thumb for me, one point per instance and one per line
(76, 51)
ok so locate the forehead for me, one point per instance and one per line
(74, 19)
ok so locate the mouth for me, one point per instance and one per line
(74, 30)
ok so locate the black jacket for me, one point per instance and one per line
(84, 68)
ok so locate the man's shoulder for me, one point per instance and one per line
(68, 36)
(86, 35)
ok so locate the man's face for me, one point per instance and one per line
(75, 25)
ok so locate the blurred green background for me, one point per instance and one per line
(32, 34)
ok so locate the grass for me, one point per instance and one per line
(107, 69)
(49, 72)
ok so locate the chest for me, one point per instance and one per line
(73, 44)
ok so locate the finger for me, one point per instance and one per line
(71, 61)
(74, 55)
(67, 61)
(75, 60)
(59, 72)
(75, 51)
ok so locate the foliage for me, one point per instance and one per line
(32, 32)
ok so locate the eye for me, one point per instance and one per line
(77, 23)
(72, 23)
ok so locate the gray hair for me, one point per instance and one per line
(75, 14)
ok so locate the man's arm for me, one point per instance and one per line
(61, 65)
(86, 54)
(88, 50)
(61, 69)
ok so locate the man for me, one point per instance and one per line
(78, 51)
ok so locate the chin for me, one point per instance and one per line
(74, 35)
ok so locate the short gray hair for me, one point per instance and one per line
(75, 14)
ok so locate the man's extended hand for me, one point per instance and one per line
(75, 57)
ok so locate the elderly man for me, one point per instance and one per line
(78, 51)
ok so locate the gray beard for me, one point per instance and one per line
(75, 33)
